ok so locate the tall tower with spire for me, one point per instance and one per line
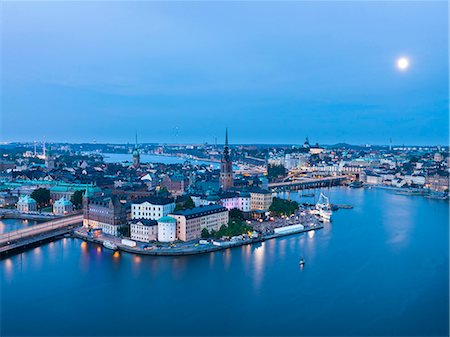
(136, 155)
(226, 167)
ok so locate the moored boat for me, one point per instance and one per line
(324, 208)
(109, 245)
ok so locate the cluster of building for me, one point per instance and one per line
(154, 218)
(138, 199)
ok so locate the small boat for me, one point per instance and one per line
(302, 262)
(109, 245)
(356, 184)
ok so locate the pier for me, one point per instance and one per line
(307, 183)
(45, 231)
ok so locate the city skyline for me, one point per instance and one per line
(180, 72)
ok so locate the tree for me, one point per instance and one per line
(124, 230)
(41, 195)
(205, 233)
(237, 214)
(275, 171)
(77, 198)
(283, 207)
(189, 203)
(163, 191)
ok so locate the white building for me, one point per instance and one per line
(26, 204)
(62, 206)
(414, 179)
(167, 229)
(144, 230)
(373, 179)
(152, 208)
(241, 201)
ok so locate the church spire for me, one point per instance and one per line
(226, 150)
(226, 137)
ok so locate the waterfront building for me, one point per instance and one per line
(7, 199)
(372, 178)
(62, 206)
(106, 213)
(226, 167)
(152, 208)
(260, 199)
(167, 229)
(144, 230)
(437, 182)
(191, 222)
(26, 204)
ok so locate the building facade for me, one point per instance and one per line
(167, 229)
(175, 184)
(26, 204)
(260, 200)
(191, 222)
(241, 201)
(144, 230)
(62, 206)
(108, 214)
(152, 208)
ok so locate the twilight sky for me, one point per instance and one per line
(273, 72)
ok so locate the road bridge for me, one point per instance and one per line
(44, 231)
(307, 183)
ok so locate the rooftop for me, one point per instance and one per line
(200, 211)
(167, 219)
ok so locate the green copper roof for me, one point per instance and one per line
(167, 219)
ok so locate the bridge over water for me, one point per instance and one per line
(44, 231)
(306, 183)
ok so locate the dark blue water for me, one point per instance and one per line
(379, 269)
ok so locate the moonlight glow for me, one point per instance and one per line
(403, 63)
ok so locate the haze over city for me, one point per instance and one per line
(182, 71)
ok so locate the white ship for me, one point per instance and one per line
(324, 208)
(109, 245)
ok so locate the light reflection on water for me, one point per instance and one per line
(342, 279)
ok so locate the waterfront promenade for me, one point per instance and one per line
(186, 248)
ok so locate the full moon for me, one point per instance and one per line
(403, 63)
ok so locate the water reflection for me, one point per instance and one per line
(259, 257)
(211, 260)
(8, 269)
(398, 221)
(227, 259)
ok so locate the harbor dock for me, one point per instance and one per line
(191, 248)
